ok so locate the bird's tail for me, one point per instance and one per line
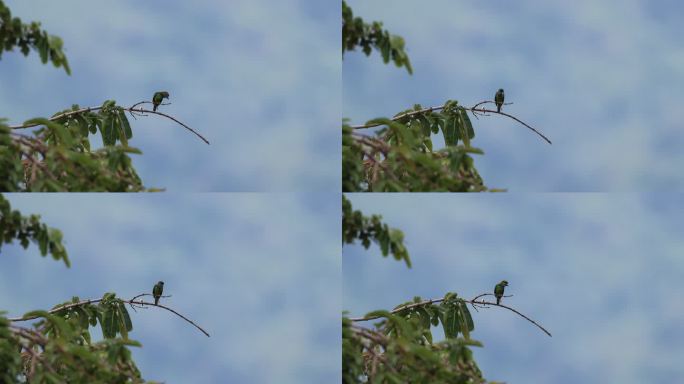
(156, 301)
(498, 300)
(498, 108)
(154, 108)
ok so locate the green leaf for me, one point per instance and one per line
(448, 130)
(60, 132)
(124, 320)
(465, 313)
(108, 131)
(108, 323)
(118, 124)
(428, 143)
(465, 127)
(468, 123)
(379, 313)
(128, 132)
(123, 312)
(108, 104)
(37, 313)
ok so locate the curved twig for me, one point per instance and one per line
(130, 110)
(171, 310)
(518, 313)
(474, 110)
(129, 302)
(472, 301)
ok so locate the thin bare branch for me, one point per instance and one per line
(473, 301)
(176, 313)
(518, 313)
(474, 110)
(130, 110)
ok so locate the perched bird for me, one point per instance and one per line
(498, 290)
(158, 98)
(498, 99)
(157, 291)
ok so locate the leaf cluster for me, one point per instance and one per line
(15, 33)
(399, 157)
(59, 348)
(30, 356)
(356, 226)
(58, 155)
(110, 312)
(357, 33)
(14, 226)
(110, 120)
(400, 348)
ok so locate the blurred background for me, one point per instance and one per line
(260, 79)
(600, 79)
(601, 272)
(259, 272)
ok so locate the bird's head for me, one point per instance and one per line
(161, 283)
(503, 282)
(165, 94)
(501, 90)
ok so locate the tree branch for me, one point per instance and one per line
(130, 110)
(472, 302)
(130, 302)
(474, 110)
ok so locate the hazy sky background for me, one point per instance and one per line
(600, 79)
(259, 78)
(259, 272)
(602, 272)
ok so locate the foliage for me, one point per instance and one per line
(356, 32)
(399, 157)
(14, 33)
(356, 226)
(14, 226)
(58, 347)
(63, 356)
(58, 155)
(400, 347)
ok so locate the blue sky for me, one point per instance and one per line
(260, 272)
(600, 79)
(259, 78)
(602, 272)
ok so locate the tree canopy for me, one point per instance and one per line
(57, 154)
(398, 155)
(399, 346)
(55, 345)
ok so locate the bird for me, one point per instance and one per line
(498, 290)
(157, 291)
(158, 98)
(499, 99)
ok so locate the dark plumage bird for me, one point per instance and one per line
(499, 290)
(157, 291)
(499, 99)
(158, 98)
